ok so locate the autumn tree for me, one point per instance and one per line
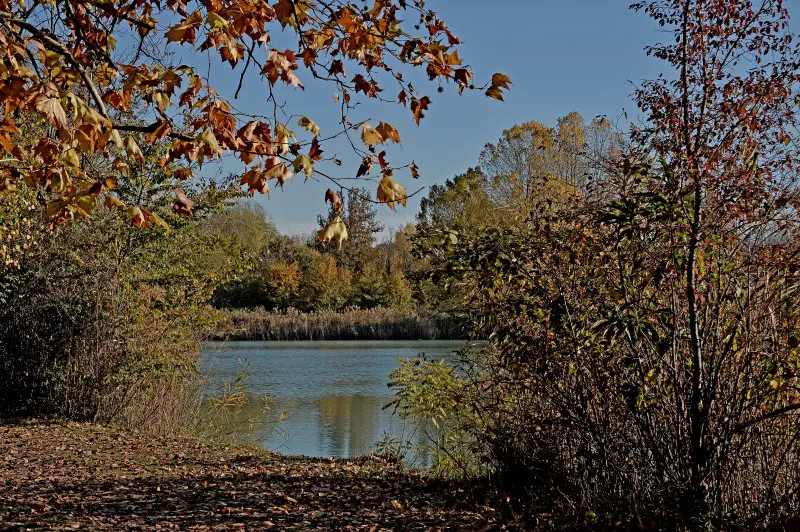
(93, 80)
(643, 362)
(533, 163)
(723, 129)
(328, 286)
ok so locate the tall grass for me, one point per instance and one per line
(351, 324)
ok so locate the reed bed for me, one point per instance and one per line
(351, 324)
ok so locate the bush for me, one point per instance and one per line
(103, 321)
(589, 398)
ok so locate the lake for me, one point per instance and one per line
(314, 398)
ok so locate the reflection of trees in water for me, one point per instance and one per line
(350, 422)
(346, 425)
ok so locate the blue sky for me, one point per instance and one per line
(562, 55)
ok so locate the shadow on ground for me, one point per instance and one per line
(77, 476)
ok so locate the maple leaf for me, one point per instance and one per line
(500, 82)
(418, 107)
(303, 162)
(85, 204)
(132, 149)
(335, 200)
(414, 170)
(309, 125)
(370, 135)
(185, 31)
(334, 230)
(51, 108)
(138, 217)
(209, 141)
(112, 135)
(112, 201)
(280, 172)
(71, 158)
(390, 191)
(388, 132)
(86, 141)
(315, 153)
(182, 204)
(370, 88)
(366, 166)
(283, 136)
(215, 21)
(157, 220)
(337, 67)
(256, 181)
(161, 99)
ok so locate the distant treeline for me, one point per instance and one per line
(351, 324)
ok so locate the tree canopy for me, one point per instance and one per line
(86, 84)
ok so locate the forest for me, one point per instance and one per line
(626, 290)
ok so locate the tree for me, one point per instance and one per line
(327, 286)
(362, 226)
(533, 163)
(461, 202)
(91, 78)
(723, 128)
(643, 361)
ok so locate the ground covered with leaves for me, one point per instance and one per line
(84, 476)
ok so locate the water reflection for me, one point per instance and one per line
(331, 395)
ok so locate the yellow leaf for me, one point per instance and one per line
(494, 92)
(86, 204)
(390, 191)
(283, 135)
(162, 100)
(85, 142)
(280, 172)
(215, 21)
(70, 158)
(137, 216)
(370, 135)
(303, 163)
(112, 201)
(501, 80)
(309, 125)
(207, 137)
(92, 117)
(132, 149)
(112, 135)
(335, 230)
(52, 109)
(157, 220)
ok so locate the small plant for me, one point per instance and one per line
(432, 393)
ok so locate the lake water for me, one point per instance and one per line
(314, 398)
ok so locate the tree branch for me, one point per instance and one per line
(59, 48)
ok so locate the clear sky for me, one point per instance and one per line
(562, 55)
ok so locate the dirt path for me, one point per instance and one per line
(83, 476)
